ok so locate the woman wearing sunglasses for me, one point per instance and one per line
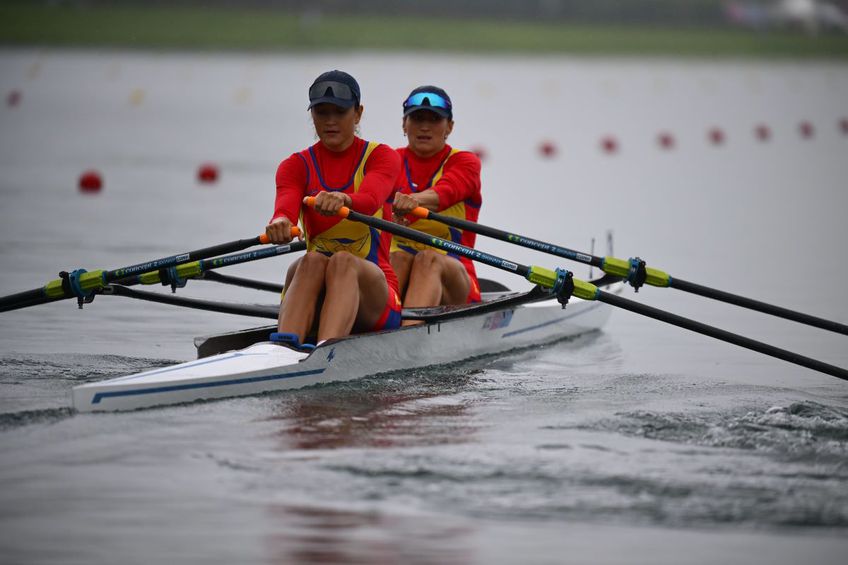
(442, 179)
(345, 280)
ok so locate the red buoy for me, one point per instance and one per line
(763, 132)
(716, 136)
(547, 149)
(14, 98)
(90, 182)
(609, 144)
(665, 140)
(843, 125)
(207, 173)
(481, 152)
(806, 129)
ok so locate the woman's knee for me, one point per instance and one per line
(313, 263)
(427, 261)
(341, 262)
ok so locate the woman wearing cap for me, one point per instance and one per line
(442, 179)
(345, 280)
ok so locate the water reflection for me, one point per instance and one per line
(324, 535)
(422, 407)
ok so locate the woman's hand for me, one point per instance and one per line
(329, 203)
(403, 205)
(279, 231)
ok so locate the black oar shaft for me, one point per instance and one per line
(54, 291)
(257, 311)
(722, 335)
(438, 243)
(655, 278)
(751, 304)
(528, 242)
(241, 281)
(173, 260)
(608, 298)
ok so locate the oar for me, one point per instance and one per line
(203, 268)
(634, 270)
(564, 284)
(81, 283)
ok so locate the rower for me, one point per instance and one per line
(442, 179)
(345, 281)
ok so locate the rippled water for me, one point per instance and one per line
(638, 444)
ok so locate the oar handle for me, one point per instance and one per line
(343, 212)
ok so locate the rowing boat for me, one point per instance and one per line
(245, 363)
(502, 322)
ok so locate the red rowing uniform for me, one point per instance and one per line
(366, 171)
(455, 176)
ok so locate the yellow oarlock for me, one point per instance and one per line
(621, 268)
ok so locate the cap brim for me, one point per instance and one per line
(436, 110)
(341, 103)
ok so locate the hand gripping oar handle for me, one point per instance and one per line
(556, 280)
(588, 291)
(634, 271)
(82, 283)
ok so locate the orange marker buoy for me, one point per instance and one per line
(207, 173)
(665, 140)
(806, 129)
(716, 136)
(762, 132)
(90, 182)
(14, 98)
(609, 144)
(547, 149)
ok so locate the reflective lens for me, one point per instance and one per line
(330, 88)
(427, 99)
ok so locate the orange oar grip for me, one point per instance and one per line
(263, 238)
(420, 212)
(343, 211)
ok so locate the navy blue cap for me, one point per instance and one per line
(335, 87)
(430, 98)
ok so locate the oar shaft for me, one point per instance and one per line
(751, 304)
(84, 282)
(502, 235)
(588, 291)
(722, 335)
(196, 268)
(622, 268)
(241, 281)
(173, 260)
(436, 242)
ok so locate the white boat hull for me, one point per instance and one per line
(266, 366)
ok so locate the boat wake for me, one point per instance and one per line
(797, 431)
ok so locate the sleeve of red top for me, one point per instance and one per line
(460, 180)
(291, 188)
(381, 172)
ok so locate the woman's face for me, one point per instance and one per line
(336, 126)
(426, 132)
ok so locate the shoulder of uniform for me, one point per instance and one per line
(462, 156)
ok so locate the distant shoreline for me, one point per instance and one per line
(184, 28)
